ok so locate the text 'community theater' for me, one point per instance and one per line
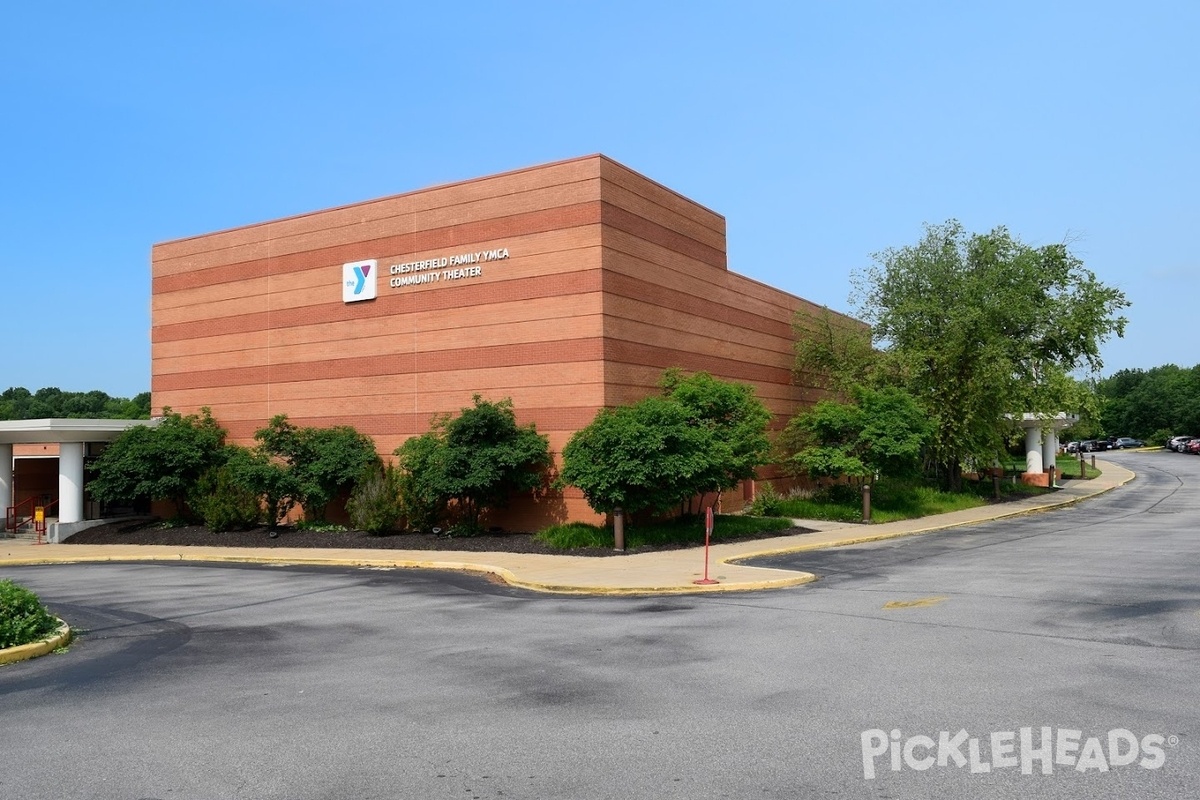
(567, 287)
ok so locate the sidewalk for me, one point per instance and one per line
(667, 572)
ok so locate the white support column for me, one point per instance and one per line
(70, 482)
(1033, 449)
(1050, 448)
(6, 477)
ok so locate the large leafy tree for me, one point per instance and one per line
(477, 459)
(834, 354)
(161, 462)
(979, 326)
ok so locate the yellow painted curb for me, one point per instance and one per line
(881, 537)
(798, 578)
(504, 574)
(62, 636)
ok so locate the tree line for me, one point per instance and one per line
(18, 402)
(1152, 404)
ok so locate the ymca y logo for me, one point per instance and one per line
(359, 281)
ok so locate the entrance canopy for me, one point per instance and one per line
(71, 436)
(46, 431)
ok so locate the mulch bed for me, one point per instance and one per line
(143, 531)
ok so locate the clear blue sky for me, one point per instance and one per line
(823, 132)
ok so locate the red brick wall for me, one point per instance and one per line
(611, 278)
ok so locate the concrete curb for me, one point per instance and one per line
(60, 637)
(799, 579)
(502, 573)
(881, 537)
(796, 578)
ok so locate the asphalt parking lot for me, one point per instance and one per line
(201, 681)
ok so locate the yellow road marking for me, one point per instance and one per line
(918, 603)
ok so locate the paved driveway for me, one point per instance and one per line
(273, 682)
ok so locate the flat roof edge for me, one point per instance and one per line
(49, 430)
(447, 185)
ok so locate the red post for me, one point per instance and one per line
(708, 529)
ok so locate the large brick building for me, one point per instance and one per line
(567, 287)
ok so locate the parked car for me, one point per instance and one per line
(1126, 442)
(1177, 443)
(1093, 446)
(1193, 446)
(1072, 447)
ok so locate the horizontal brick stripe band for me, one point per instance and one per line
(552, 219)
(446, 297)
(643, 228)
(509, 355)
(617, 351)
(627, 286)
(533, 222)
(409, 424)
(562, 351)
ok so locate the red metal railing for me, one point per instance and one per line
(13, 516)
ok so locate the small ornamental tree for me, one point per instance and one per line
(322, 462)
(162, 462)
(643, 457)
(702, 435)
(735, 419)
(881, 433)
(477, 460)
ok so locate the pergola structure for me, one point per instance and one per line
(72, 437)
(1041, 444)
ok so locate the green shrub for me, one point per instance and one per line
(475, 461)
(420, 509)
(23, 618)
(1159, 438)
(375, 505)
(767, 502)
(222, 503)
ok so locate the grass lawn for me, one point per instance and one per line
(1067, 465)
(889, 502)
(684, 531)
